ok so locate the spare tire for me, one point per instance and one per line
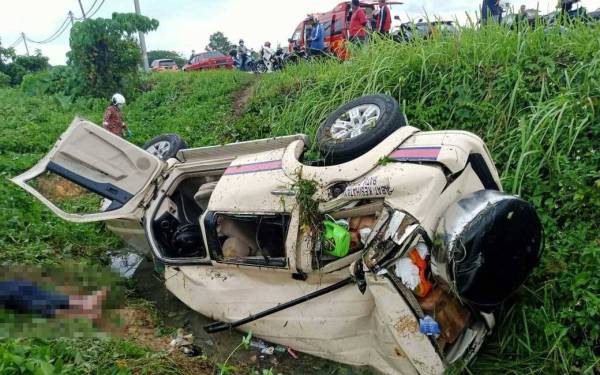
(358, 126)
(165, 146)
(487, 244)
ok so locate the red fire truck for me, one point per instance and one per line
(335, 26)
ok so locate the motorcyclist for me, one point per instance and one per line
(113, 116)
(242, 51)
(316, 44)
(267, 55)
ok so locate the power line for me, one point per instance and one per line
(97, 9)
(92, 7)
(61, 29)
(16, 42)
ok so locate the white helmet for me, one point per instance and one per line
(118, 100)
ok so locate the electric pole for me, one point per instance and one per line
(25, 41)
(71, 17)
(82, 11)
(142, 38)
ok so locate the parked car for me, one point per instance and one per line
(209, 60)
(161, 65)
(407, 232)
(424, 29)
(335, 26)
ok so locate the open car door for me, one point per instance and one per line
(104, 176)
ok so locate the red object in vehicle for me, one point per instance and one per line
(336, 24)
(209, 60)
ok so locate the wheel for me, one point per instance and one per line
(358, 126)
(261, 67)
(165, 146)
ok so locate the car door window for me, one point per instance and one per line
(338, 26)
(91, 175)
(253, 240)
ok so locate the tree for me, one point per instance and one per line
(16, 66)
(104, 54)
(219, 42)
(162, 54)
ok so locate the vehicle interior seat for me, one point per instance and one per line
(203, 194)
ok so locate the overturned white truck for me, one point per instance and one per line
(393, 251)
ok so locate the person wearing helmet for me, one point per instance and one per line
(267, 54)
(242, 52)
(113, 117)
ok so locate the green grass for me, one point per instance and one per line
(534, 97)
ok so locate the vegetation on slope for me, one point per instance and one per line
(533, 96)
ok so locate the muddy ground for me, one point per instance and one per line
(216, 347)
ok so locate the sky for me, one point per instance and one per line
(186, 25)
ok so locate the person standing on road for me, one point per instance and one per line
(242, 51)
(491, 8)
(358, 23)
(383, 19)
(317, 38)
(267, 54)
(113, 117)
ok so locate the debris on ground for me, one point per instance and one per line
(184, 343)
(125, 264)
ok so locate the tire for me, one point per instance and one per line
(260, 67)
(165, 146)
(366, 130)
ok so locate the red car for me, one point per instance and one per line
(209, 60)
(335, 26)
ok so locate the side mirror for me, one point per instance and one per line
(397, 18)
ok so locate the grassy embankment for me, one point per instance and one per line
(533, 97)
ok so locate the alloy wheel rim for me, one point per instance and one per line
(355, 122)
(159, 149)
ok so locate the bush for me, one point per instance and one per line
(4, 80)
(104, 55)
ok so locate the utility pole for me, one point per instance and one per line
(142, 38)
(25, 41)
(82, 11)
(71, 17)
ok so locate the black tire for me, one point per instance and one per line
(343, 150)
(175, 144)
(260, 67)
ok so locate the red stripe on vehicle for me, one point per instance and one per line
(254, 167)
(416, 153)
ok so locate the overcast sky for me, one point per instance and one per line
(186, 24)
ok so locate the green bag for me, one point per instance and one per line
(337, 239)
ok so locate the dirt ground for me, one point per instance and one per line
(55, 187)
(141, 326)
(241, 99)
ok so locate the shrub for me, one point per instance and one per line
(104, 55)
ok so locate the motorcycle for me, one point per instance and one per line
(250, 62)
(277, 61)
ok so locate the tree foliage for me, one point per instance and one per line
(219, 42)
(162, 54)
(15, 67)
(104, 54)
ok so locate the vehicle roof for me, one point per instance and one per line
(210, 54)
(162, 60)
